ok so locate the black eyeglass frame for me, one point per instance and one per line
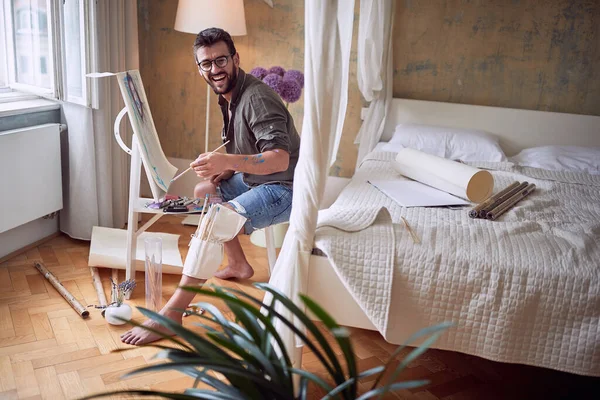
(215, 62)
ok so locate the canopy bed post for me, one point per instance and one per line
(328, 36)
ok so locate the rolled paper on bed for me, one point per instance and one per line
(62, 290)
(449, 176)
(484, 211)
(508, 204)
(474, 213)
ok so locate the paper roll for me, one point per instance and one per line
(450, 176)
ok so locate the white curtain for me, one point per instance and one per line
(328, 35)
(95, 169)
(375, 69)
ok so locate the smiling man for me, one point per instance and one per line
(255, 177)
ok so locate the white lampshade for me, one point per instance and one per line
(194, 16)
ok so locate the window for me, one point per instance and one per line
(43, 66)
(45, 47)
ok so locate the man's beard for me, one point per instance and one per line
(231, 81)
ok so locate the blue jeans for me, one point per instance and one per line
(263, 205)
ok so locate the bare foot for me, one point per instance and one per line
(138, 336)
(239, 271)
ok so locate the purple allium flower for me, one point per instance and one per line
(274, 82)
(259, 72)
(277, 70)
(290, 90)
(296, 75)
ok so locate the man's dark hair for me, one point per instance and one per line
(211, 36)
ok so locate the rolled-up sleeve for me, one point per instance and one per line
(267, 118)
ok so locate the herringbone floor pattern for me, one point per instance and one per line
(48, 352)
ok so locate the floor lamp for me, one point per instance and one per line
(194, 16)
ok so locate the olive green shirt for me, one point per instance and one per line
(259, 122)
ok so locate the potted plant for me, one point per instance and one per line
(118, 312)
(249, 352)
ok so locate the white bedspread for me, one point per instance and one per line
(522, 289)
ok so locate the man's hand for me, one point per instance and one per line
(210, 164)
(223, 176)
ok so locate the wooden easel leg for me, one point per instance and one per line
(132, 221)
(271, 252)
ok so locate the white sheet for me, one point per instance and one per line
(523, 289)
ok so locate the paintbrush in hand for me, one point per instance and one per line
(178, 176)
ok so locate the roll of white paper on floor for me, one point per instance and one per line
(450, 176)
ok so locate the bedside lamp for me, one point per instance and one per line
(194, 16)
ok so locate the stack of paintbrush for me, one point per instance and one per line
(498, 204)
(205, 227)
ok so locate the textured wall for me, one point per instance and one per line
(177, 93)
(506, 53)
(528, 54)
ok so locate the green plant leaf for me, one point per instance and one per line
(266, 321)
(197, 342)
(212, 395)
(336, 369)
(303, 388)
(425, 331)
(161, 334)
(174, 396)
(226, 368)
(313, 378)
(350, 381)
(412, 356)
(392, 388)
(342, 337)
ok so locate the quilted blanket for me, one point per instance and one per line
(522, 289)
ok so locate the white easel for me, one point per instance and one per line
(137, 204)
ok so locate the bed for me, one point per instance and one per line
(528, 332)
(534, 298)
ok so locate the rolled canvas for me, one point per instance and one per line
(450, 176)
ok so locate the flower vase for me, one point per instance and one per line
(114, 312)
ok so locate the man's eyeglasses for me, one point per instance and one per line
(221, 62)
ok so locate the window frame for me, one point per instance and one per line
(11, 65)
(56, 62)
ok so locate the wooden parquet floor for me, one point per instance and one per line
(48, 352)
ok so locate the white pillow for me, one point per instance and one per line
(451, 143)
(391, 147)
(561, 158)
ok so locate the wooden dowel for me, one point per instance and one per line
(474, 213)
(483, 213)
(413, 234)
(502, 208)
(98, 286)
(62, 290)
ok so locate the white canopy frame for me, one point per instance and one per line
(328, 38)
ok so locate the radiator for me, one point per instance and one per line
(30, 174)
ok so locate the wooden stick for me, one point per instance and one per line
(213, 224)
(413, 234)
(115, 275)
(484, 211)
(474, 213)
(179, 176)
(62, 290)
(502, 208)
(98, 286)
